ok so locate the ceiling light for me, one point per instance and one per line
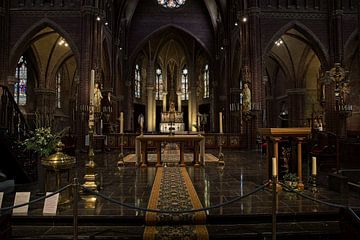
(279, 42)
(171, 3)
(235, 24)
(98, 18)
(244, 19)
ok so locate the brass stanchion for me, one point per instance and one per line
(90, 176)
(121, 162)
(75, 207)
(221, 162)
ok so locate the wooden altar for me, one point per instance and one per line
(274, 136)
(142, 142)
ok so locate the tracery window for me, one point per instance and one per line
(184, 84)
(137, 89)
(171, 3)
(206, 82)
(159, 84)
(20, 88)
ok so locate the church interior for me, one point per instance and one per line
(180, 119)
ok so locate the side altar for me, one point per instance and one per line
(172, 121)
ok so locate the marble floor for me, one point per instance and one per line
(244, 171)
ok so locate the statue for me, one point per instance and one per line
(337, 74)
(141, 122)
(97, 98)
(172, 107)
(246, 98)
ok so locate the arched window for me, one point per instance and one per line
(20, 88)
(137, 89)
(59, 76)
(159, 84)
(206, 82)
(184, 84)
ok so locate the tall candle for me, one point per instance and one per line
(274, 166)
(92, 84)
(220, 122)
(121, 122)
(313, 169)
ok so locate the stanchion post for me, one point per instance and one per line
(75, 207)
(221, 161)
(121, 162)
(274, 195)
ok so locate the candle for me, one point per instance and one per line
(121, 122)
(313, 169)
(274, 167)
(220, 122)
(92, 84)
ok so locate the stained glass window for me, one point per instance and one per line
(137, 81)
(58, 89)
(159, 84)
(206, 82)
(171, 3)
(184, 84)
(20, 88)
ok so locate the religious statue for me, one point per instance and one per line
(172, 107)
(141, 122)
(97, 98)
(246, 93)
(344, 93)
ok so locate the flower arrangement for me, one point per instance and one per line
(42, 141)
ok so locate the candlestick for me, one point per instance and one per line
(121, 122)
(220, 122)
(274, 167)
(92, 84)
(313, 168)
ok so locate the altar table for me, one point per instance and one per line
(142, 142)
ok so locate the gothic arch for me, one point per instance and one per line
(26, 38)
(161, 30)
(314, 42)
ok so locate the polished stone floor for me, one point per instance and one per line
(243, 172)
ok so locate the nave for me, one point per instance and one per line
(250, 218)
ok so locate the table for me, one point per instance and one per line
(275, 135)
(141, 143)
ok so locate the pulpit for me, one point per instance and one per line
(275, 135)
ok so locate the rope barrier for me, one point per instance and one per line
(177, 212)
(335, 205)
(36, 200)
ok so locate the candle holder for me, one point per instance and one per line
(313, 184)
(121, 162)
(221, 162)
(90, 176)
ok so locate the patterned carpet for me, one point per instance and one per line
(173, 190)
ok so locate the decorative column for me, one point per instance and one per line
(300, 185)
(179, 101)
(164, 101)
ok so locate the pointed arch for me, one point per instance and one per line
(314, 41)
(26, 39)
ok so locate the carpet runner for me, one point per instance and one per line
(173, 190)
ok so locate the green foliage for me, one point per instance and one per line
(291, 177)
(42, 141)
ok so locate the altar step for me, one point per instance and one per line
(323, 226)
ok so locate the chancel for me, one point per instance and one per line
(179, 119)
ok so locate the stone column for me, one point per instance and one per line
(179, 101)
(164, 101)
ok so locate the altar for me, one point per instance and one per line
(172, 121)
(142, 142)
